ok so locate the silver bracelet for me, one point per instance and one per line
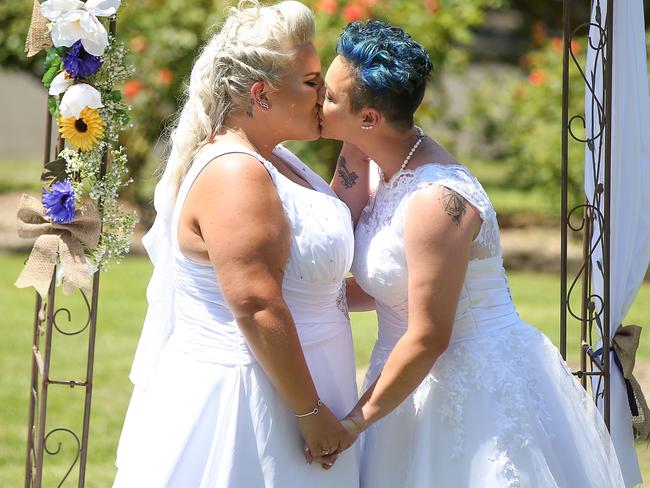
(312, 412)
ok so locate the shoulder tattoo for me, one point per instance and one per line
(454, 205)
(349, 178)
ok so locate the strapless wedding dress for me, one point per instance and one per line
(209, 416)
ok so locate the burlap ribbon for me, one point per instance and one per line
(625, 344)
(64, 242)
(38, 36)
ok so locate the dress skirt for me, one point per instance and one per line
(209, 425)
(501, 410)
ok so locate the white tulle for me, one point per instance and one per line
(499, 408)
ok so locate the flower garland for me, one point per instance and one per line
(83, 65)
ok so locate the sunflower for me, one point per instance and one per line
(83, 132)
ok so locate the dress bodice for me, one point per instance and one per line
(380, 265)
(321, 251)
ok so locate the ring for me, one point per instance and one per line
(326, 452)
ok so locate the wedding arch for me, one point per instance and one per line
(78, 223)
(613, 218)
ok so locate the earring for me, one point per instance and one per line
(366, 127)
(264, 104)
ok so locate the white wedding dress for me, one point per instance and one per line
(499, 408)
(210, 416)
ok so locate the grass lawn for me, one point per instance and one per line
(121, 311)
(19, 175)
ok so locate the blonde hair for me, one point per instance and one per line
(255, 43)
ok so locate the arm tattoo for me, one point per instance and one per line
(349, 178)
(454, 205)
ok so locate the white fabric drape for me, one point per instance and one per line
(630, 197)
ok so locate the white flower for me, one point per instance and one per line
(74, 20)
(60, 83)
(103, 8)
(78, 97)
(53, 9)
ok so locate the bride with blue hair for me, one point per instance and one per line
(460, 392)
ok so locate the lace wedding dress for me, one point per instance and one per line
(209, 416)
(499, 408)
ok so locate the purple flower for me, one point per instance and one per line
(59, 202)
(79, 63)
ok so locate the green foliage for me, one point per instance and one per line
(519, 120)
(164, 36)
(14, 23)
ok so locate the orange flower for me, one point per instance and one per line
(327, 6)
(538, 77)
(557, 44)
(138, 44)
(354, 12)
(432, 6)
(131, 88)
(165, 77)
(575, 47)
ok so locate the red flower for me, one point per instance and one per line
(165, 77)
(131, 88)
(138, 44)
(575, 47)
(327, 6)
(354, 12)
(538, 77)
(432, 6)
(557, 44)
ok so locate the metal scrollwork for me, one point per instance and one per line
(590, 219)
(69, 315)
(58, 450)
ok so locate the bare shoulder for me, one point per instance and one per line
(235, 186)
(234, 172)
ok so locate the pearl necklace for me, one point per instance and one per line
(413, 149)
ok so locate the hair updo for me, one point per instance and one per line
(255, 43)
(390, 67)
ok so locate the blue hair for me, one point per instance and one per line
(391, 69)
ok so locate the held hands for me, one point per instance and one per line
(325, 437)
(354, 425)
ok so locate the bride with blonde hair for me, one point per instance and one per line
(245, 360)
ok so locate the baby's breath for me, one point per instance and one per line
(84, 167)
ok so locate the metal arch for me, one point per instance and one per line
(45, 326)
(594, 225)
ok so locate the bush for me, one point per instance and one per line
(164, 37)
(519, 121)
